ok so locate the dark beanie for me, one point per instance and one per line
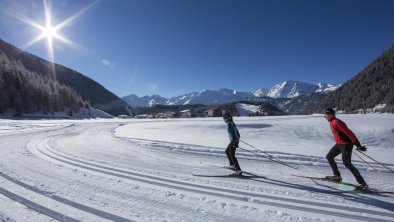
(329, 111)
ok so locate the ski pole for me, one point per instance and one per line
(273, 160)
(265, 157)
(366, 162)
(272, 157)
(377, 162)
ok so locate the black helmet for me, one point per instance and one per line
(329, 111)
(227, 117)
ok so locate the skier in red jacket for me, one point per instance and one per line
(345, 139)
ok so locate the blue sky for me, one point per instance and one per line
(172, 47)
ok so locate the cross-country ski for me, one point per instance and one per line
(228, 176)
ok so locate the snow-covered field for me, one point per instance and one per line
(141, 170)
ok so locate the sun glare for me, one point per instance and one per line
(49, 31)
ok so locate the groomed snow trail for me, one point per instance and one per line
(88, 171)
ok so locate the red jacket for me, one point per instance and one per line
(342, 134)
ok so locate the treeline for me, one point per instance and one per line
(198, 110)
(24, 91)
(372, 86)
(90, 90)
(304, 105)
(167, 108)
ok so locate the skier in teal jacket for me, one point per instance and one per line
(234, 136)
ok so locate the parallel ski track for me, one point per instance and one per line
(36, 207)
(49, 212)
(46, 211)
(337, 211)
(30, 204)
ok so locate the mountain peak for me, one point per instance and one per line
(145, 101)
(287, 89)
(291, 89)
(261, 92)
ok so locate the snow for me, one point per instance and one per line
(325, 88)
(246, 109)
(146, 101)
(261, 92)
(292, 89)
(141, 170)
(285, 134)
(209, 97)
(379, 107)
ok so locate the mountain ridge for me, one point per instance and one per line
(88, 88)
(371, 89)
(223, 95)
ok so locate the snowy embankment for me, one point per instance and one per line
(141, 170)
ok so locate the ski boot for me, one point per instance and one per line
(336, 179)
(231, 167)
(362, 187)
(237, 173)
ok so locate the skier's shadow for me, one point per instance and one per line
(355, 197)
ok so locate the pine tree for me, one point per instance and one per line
(372, 86)
(26, 92)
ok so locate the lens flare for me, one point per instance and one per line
(50, 31)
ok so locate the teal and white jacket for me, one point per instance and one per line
(233, 133)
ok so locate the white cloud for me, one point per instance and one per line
(108, 63)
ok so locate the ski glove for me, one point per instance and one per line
(362, 148)
(235, 144)
(359, 147)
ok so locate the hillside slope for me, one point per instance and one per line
(372, 87)
(89, 89)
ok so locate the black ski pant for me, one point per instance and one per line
(230, 151)
(346, 150)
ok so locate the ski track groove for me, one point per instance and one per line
(36, 207)
(179, 210)
(51, 213)
(206, 190)
(60, 199)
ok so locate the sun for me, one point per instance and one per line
(49, 31)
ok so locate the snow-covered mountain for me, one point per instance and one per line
(261, 92)
(208, 97)
(288, 89)
(326, 87)
(205, 97)
(146, 101)
(291, 89)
